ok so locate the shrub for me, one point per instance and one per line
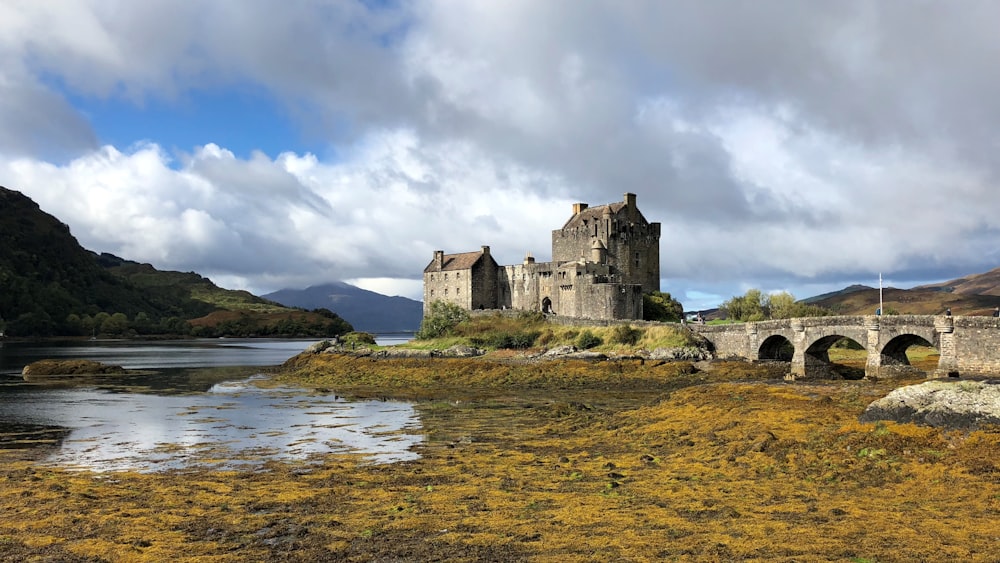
(626, 334)
(441, 320)
(531, 316)
(358, 338)
(513, 340)
(587, 340)
(545, 337)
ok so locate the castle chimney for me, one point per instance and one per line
(578, 207)
(630, 200)
(486, 250)
(528, 258)
(439, 259)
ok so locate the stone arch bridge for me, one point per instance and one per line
(968, 345)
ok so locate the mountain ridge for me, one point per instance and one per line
(53, 286)
(366, 310)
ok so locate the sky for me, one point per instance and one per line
(783, 145)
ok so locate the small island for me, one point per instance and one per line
(60, 369)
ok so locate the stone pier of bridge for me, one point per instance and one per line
(967, 345)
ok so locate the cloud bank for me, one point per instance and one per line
(781, 145)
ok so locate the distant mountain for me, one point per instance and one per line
(52, 286)
(365, 310)
(836, 294)
(926, 300)
(987, 283)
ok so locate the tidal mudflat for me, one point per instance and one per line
(570, 461)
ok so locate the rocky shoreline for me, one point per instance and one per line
(687, 353)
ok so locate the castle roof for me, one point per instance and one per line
(596, 213)
(460, 261)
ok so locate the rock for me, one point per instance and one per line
(318, 347)
(459, 351)
(586, 356)
(68, 368)
(690, 353)
(943, 404)
(397, 353)
(559, 351)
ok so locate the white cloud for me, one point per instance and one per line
(781, 145)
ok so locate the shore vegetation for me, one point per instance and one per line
(557, 460)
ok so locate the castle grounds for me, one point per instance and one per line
(559, 461)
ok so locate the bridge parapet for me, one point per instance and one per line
(967, 344)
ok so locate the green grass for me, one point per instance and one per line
(482, 331)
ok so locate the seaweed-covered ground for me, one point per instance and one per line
(561, 461)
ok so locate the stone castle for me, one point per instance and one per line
(603, 259)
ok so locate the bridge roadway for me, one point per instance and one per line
(968, 345)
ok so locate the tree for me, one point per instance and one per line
(441, 319)
(781, 305)
(749, 307)
(756, 305)
(660, 306)
(115, 325)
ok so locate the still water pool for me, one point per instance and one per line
(184, 414)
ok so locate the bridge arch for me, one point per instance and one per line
(893, 356)
(816, 358)
(776, 347)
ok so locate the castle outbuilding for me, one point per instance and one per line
(603, 259)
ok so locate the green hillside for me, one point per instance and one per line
(52, 286)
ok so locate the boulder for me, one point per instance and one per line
(318, 347)
(459, 351)
(944, 404)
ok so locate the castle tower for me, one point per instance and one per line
(631, 244)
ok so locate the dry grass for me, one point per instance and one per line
(687, 466)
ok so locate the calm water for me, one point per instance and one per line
(189, 410)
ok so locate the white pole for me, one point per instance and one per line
(880, 310)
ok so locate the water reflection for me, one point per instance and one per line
(234, 424)
(189, 411)
(152, 354)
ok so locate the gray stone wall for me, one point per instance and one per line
(453, 286)
(484, 287)
(976, 343)
(968, 345)
(521, 285)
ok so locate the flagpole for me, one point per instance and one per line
(880, 310)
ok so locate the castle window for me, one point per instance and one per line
(432, 277)
(458, 275)
(432, 293)
(446, 291)
(446, 277)
(458, 291)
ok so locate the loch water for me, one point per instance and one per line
(198, 402)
